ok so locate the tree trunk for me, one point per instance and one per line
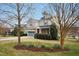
(19, 38)
(62, 41)
(19, 22)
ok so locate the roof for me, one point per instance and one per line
(45, 26)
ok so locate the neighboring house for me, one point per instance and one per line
(5, 30)
(74, 32)
(8, 31)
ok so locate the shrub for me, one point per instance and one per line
(31, 46)
(25, 34)
(53, 32)
(15, 33)
(45, 46)
(21, 33)
(42, 36)
(56, 46)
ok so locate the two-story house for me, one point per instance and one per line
(44, 23)
(40, 26)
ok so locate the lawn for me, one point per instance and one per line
(6, 48)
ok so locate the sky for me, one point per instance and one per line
(38, 8)
(37, 11)
(36, 14)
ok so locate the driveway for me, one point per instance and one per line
(14, 38)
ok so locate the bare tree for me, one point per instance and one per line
(16, 12)
(66, 15)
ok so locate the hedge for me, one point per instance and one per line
(42, 36)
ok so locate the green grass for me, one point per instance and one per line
(7, 36)
(6, 48)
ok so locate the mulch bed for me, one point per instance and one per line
(34, 49)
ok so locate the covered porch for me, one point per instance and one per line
(43, 29)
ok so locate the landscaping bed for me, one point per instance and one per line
(40, 49)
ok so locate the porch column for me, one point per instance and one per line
(36, 30)
(40, 30)
(49, 30)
